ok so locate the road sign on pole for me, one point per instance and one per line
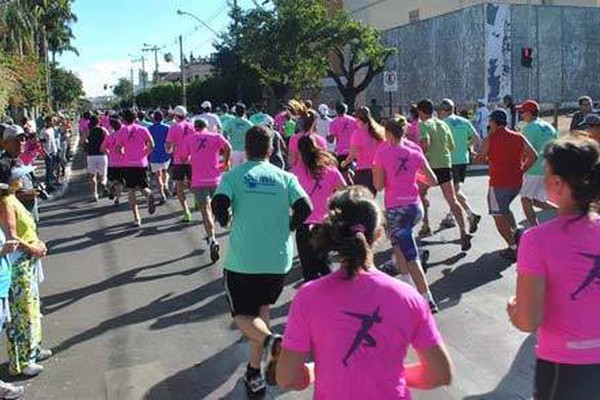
(390, 81)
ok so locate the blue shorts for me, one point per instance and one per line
(400, 224)
(499, 200)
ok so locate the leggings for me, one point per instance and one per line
(566, 382)
(313, 265)
(400, 224)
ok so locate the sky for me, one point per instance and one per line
(111, 33)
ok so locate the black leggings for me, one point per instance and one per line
(364, 177)
(313, 265)
(566, 382)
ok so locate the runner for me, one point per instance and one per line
(159, 158)
(105, 120)
(438, 145)
(320, 177)
(97, 162)
(539, 133)
(261, 117)
(558, 272)
(260, 255)
(279, 150)
(395, 168)
(413, 132)
(135, 143)
(181, 172)
(115, 163)
(340, 132)
(358, 323)
(366, 138)
(592, 122)
(509, 155)
(224, 115)
(465, 141)
(482, 116)
(324, 125)
(308, 119)
(202, 151)
(213, 120)
(235, 131)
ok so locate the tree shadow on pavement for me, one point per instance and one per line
(518, 382)
(449, 289)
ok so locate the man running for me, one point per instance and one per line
(437, 144)
(213, 120)
(182, 172)
(465, 140)
(509, 155)
(261, 248)
(135, 143)
(203, 150)
(482, 115)
(261, 117)
(236, 133)
(97, 162)
(539, 133)
(159, 158)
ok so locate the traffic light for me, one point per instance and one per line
(105, 86)
(527, 57)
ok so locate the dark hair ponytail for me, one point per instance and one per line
(350, 229)
(314, 158)
(375, 130)
(396, 126)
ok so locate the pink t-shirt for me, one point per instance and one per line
(132, 142)
(279, 120)
(204, 149)
(413, 132)
(84, 125)
(566, 252)
(293, 148)
(341, 129)
(319, 190)
(358, 332)
(32, 150)
(366, 146)
(105, 122)
(176, 137)
(400, 163)
(115, 158)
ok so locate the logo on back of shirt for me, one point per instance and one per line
(201, 143)
(255, 183)
(362, 336)
(316, 187)
(592, 277)
(402, 165)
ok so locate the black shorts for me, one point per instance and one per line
(135, 177)
(364, 177)
(566, 381)
(112, 174)
(340, 160)
(247, 293)
(459, 173)
(443, 175)
(181, 172)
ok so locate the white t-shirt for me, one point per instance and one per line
(50, 144)
(213, 120)
(323, 130)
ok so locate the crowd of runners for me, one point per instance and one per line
(317, 173)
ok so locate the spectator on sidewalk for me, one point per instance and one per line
(586, 106)
(51, 150)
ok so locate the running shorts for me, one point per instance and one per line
(155, 167)
(364, 177)
(533, 188)
(459, 173)
(401, 222)
(97, 165)
(555, 381)
(443, 175)
(247, 293)
(181, 172)
(203, 195)
(135, 177)
(115, 174)
(499, 200)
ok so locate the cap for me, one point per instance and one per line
(499, 116)
(447, 105)
(206, 104)
(18, 171)
(323, 109)
(12, 131)
(531, 106)
(180, 110)
(592, 120)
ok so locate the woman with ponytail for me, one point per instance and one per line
(366, 138)
(308, 122)
(558, 271)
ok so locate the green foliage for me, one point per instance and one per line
(66, 86)
(123, 89)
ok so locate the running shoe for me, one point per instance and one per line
(151, 204)
(270, 356)
(32, 370)
(433, 307)
(425, 254)
(389, 268)
(448, 222)
(186, 218)
(105, 193)
(465, 242)
(425, 231)
(111, 192)
(42, 355)
(215, 250)
(116, 202)
(474, 220)
(136, 224)
(255, 384)
(518, 234)
(10, 392)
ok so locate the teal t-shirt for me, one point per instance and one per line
(5, 270)
(538, 132)
(236, 132)
(261, 119)
(261, 198)
(462, 132)
(226, 118)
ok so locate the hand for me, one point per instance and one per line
(511, 307)
(345, 163)
(41, 250)
(9, 246)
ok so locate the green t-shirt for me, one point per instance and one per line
(441, 143)
(226, 118)
(462, 132)
(289, 128)
(538, 132)
(236, 132)
(261, 198)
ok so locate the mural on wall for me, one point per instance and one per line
(497, 52)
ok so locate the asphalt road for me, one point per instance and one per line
(141, 314)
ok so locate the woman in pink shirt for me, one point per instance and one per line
(413, 130)
(366, 138)
(319, 176)
(395, 169)
(558, 267)
(308, 120)
(358, 322)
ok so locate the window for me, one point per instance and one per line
(413, 16)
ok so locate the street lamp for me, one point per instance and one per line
(181, 12)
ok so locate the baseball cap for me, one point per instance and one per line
(206, 104)
(180, 110)
(499, 116)
(592, 120)
(531, 106)
(447, 105)
(323, 109)
(12, 131)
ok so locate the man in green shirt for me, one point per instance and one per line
(539, 133)
(465, 140)
(224, 114)
(260, 196)
(437, 144)
(235, 131)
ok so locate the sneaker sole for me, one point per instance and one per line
(151, 205)
(215, 253)
(475, 225)
(466, 243)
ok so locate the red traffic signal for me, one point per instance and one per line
(527, 57)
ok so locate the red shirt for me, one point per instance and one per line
(505, 157)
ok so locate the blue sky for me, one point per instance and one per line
(109, 31)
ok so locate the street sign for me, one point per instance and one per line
(390, 81)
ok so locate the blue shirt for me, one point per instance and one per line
(5, 270)
(159, 133)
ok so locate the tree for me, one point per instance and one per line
(123, 89)
(67, 87)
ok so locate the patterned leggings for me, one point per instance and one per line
(24, 330)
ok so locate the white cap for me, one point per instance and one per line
(18, 172)
(206, 104)
(12, 131)
(180, 110)
(323, 109)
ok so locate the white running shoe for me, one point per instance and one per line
(10, 392)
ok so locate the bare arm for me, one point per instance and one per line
(434, 369)
(482, 155)
(529, 155)
(351, 156)
(526, 310)
(378, 178)
(429, 174)
(293, 373)
(227, 157)
(8, 221)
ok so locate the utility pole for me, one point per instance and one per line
(182, 63)
(155, 49)
(132, 87)
(143, 73)
(236, 21)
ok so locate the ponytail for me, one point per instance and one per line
(375, 130)
(396, 126)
